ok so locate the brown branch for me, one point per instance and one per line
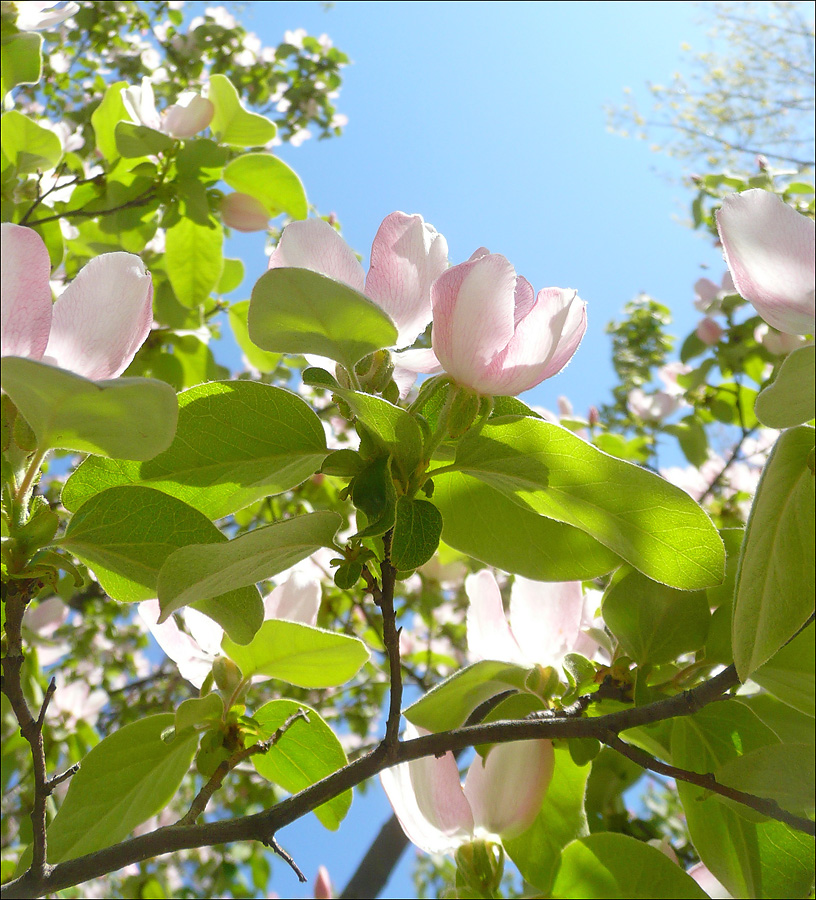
(18, 596)
(202, 798)
(391, 641)
(286, 857)
(141, 200)
(762, 805)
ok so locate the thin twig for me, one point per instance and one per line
(271, 842)
(202, 798)
(63, 776)
(763, 805)
(385, 600)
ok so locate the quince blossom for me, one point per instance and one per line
(37, 16)
(708, 295)
(769, 248)
(492, 333)
(500, 798)
(97, 324)
(190, 114)
(548, 620)
(407, 255)
(297, 599)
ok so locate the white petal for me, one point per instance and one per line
(546, 618)
(297, 600)
(26, 293)
(314, 244)
(488, 634)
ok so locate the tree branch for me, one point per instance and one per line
(762, 805)
(261, 825)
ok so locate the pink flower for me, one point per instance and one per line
(190, 114)
(709, 294)
(548, 620)
(709, 331)
(407, 255)
(651, 407)
(97, 324)
(244, 213)
(297, 599)
(769, 248)
(494, 335)
(500, 798)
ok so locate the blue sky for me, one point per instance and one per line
(488, 120)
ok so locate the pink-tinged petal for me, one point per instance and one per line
(708, 882)
(769, 248)
(192, 662)
(506, 790)
(26, 293)
(706, 291)
(407, 256)
(244, 213)
(410, 363)
(709, 331)
(314, 244)
(322, 886)
(488, 634)
(190, 114)
(473, 312)
(46, 617)
(428, 800)
(546, 618)
(103, 317)
(544, 342)
(297, 599)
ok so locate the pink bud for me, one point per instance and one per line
(244, 213)
(190, 114)
(709, 331)
(323, 888)
(494, 335)
(593, 417)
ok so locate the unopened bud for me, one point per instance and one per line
(226, 674)
(709, 332)
(244, 213)
(190, 114)
(481, 865)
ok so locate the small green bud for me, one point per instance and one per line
(480, 865)
(226, 674)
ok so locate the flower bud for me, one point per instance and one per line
(709, 331)
(190, 114)
(244, 213)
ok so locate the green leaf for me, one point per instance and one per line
(125, 779)
(373, 493)
(28, 146)
(482, 522)
(537, 852)
(653, 525)
(307, 752)
(789, 673)
(450, 702)
(231, 278)
(236, 442)
(691, 435)
(202, 571)
(136, 141)
(197, 710)
(654, 623)
(746, 857)
(260, 359)
(417, 530)
(299, 654)
(299, 311)
(608, 865)
(781, 772)
(775, 581)
(110, 112)
(790, 399)
(396, 431)
(22, 60)
(126, 533)
(195, 260)
(232, 124)
(124, 418)
(269, 180)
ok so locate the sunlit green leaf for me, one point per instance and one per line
(790, 399)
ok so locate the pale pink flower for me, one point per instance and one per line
(244, 213)
(709, 294)
(190, 114)
(651, 407)
(407, 255)
(547, 621)
(500, 798)
(74, 701)
(44, 619)
(36, 16)
(492, 333)
(769, 248)
(709, 331)
(297, 599)
(775, 341)
(701, 874)
(99, 321)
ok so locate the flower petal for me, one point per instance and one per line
(407, 256)
(428, 800)
(314, 244)
(244, 213)
(488, 633)
(506, 790)
(190, 114)
(297, 599)
(26, 293)
(546, 618)
(769, 248)
(102, 317)
(192, 662)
